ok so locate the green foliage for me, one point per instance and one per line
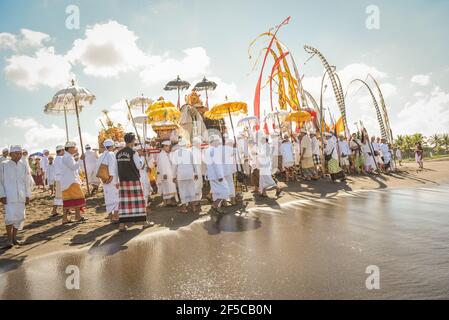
(436, 144)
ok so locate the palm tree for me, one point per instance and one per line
(435, 141)
(445, 141)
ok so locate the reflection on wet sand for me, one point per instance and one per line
(318, 250)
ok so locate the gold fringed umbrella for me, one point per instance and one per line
(164, 114)
(299, 116)
(219, 111)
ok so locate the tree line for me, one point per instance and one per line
(436, 144)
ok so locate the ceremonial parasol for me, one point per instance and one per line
(73, 97)
(53, 109)
(248, 120)
(299, 116)
(278, 116)
(222, 110)
(179, 85)
(205, 85)
(159, 104)
(141, 102)
(164, 114)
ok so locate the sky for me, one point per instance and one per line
(122, 49)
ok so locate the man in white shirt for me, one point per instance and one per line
(165, 185)
(50, 175)
(264, 165)
(72, 194)
(184, 175)
(91, 158)
(343, 147)
(110, 186)
(307, 165)
(288, 160)
(230, 167)
(215, 172)
(143, 171)
(57, 202)
(15, 193)
(316, 152)
(44, 166)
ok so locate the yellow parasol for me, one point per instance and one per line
(159, 104)
(219, 111)
(164, 114)
(299, 116)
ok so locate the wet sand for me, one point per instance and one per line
(308, 251)
(176, 235)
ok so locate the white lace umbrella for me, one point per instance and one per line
(141, 102)
(73, 98)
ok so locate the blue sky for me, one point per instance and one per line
(407, 54)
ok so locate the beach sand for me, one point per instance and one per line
(44, 235)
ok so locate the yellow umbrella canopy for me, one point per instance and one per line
(159, 104)
(164, 114)
(219, 111)
(299, 116)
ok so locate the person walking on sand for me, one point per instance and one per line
(132, 206)
(144, 171)
(72, 194)
(91, 158)
(198, 156)
(266, 181)
(15, 193)
(356, 147)
(57, 165)
(230, 168)
(316, 152)
(50, 175)
(165, 185)
(419, 155)
(331, 154)
(399, 155)
(288, 159)
(215, 172)
(343, 147)
(307, 165)
(107, 166)
(184, 175)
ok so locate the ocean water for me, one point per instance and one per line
(318, 250)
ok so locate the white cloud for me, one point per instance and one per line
(164, 68)
(27, 39)
(421, 79)
(35, 136)
(429, 114)
(45, 68)
(107, 50)
(7, 41)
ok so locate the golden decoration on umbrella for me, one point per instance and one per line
(299, 116)
(222, 110)
(159, 104)
(164, 114)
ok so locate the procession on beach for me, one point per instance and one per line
(190, 154)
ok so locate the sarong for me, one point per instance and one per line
(219, 189)
(231, 186)
(187, 191)
(15, 215)
(132, 203)
(111, 197)
(266, 182)
(58, 194)
(333, 167)
(316, 159)
(73, 197)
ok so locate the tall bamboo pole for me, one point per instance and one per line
(81, 144)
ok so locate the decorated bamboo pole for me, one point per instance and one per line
(336, 87)
(376, 106)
